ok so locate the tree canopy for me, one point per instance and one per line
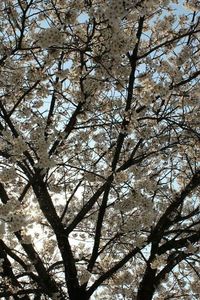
(99, 149)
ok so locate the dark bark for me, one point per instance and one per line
(147, 285)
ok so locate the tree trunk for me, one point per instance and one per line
(147, 285)
(78, 294)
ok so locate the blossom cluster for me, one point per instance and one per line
(13, 216)
(158, 262)
(7, 174)
(50, 37)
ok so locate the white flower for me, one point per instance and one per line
(84, 276)
(158, 262)
(50, 37)
(8, 174)
(2, 230)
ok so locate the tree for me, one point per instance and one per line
(99, 149)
